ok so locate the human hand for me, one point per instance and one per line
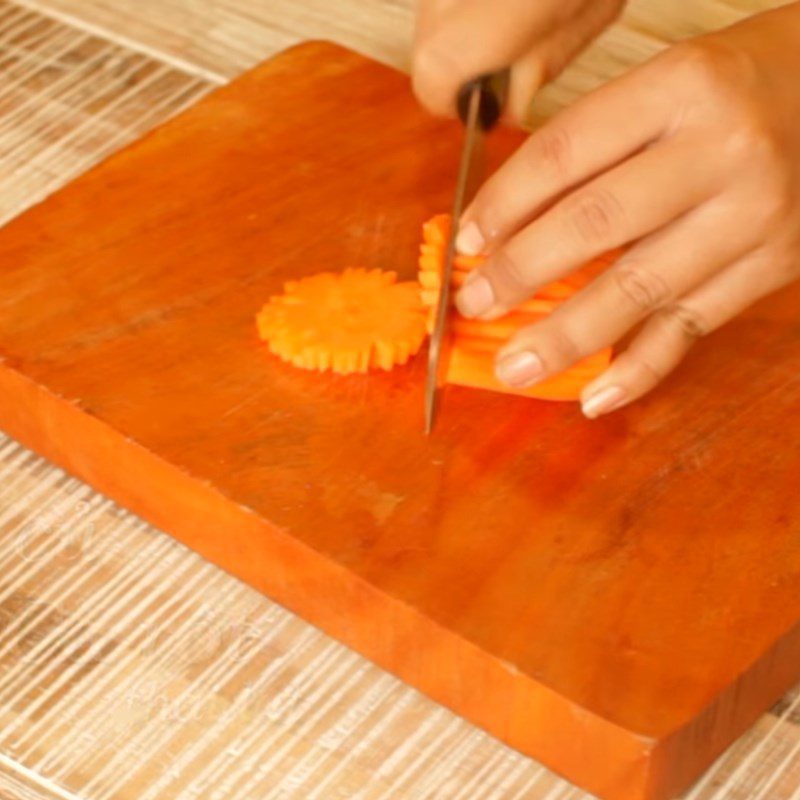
(694, 160)
(458, 40)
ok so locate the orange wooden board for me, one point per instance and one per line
(617, 598)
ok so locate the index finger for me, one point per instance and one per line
(599, 131)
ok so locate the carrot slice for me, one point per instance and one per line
(345, 322)
(502, 328)
(476, 342)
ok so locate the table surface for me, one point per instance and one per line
(130, 668)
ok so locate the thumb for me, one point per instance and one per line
(548, 57)
(528, 75)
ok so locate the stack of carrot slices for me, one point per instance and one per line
(476, 342)
(362, 319)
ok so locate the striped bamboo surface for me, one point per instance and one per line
(130, 668)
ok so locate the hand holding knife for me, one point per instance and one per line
(480, 105)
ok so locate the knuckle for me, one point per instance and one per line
(653, 373)
(687, 321)
(553, 150)
(645, 290)
(508, 274)
(560, 348)
(696, 60)
(711, 64)
(753, 140)
(595, 215)
(768, 182)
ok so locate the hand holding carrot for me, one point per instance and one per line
(693, 161)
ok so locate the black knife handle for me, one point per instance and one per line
(494, 89)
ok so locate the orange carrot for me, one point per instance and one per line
(345, 322)
(476, 342)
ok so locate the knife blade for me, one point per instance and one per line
(480, 105)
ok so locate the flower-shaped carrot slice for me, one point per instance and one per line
(346, 322)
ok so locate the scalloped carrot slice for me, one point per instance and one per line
(345, 322)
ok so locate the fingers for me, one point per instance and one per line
(428, 13)
(653, 354)
(613, 210)
(668, 335)
(579, 143)
(549, 56)
(457, 40)
(469, 39)
(528, 75)
(651, 277)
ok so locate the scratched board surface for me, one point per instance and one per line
(489, 523)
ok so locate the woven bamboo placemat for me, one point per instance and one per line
(130, 668)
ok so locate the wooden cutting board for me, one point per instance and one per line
(617, 598)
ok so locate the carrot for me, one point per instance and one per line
(346, 322)
(502, 328)
(476, 342)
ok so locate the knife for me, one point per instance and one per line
(480, 104)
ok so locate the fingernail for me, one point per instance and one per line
(603, 401)
(519, 369)
(470, 241)
(476, 296)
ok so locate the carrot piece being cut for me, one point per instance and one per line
(476, 342)
(346, 322)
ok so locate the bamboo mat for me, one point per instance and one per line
(130, 668)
